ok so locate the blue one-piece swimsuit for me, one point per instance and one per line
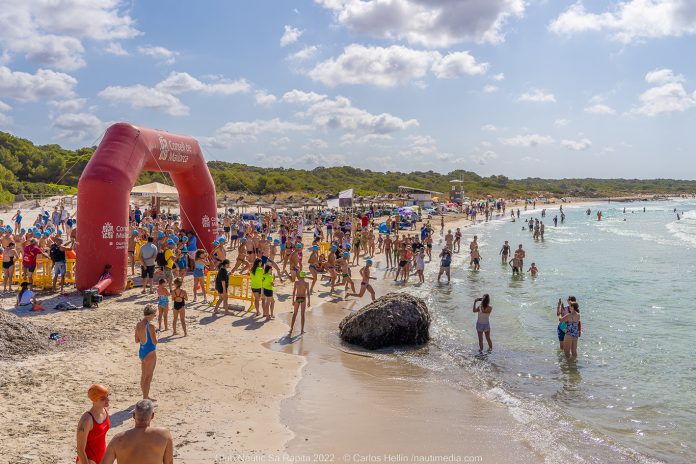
(147, 347)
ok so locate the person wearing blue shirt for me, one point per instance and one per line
(191, 247)
(138, 215)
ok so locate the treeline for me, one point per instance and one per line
(28, 168)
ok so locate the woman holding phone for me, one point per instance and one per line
(483, 325)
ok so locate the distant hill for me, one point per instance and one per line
(29, 168)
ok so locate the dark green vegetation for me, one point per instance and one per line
(48, 169)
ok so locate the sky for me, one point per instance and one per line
(522, 88)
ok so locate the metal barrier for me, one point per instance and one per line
(238, 288)
(43, 273)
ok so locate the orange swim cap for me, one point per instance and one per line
(96, 392)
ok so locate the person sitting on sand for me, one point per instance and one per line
(26, 299)
(142, 444)
(483, 325)
(300, 300)
(93, 425)
(146, 336)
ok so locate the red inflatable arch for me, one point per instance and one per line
(103, 196)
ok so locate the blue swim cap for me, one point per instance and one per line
(276, 241)
(46, 234)
(23, 230)
(58, 232)
(160, 235)
(315, 247)
(8, 228)
(347, 247)
(269, 238)
(333, 248)
(135, 232)
(215, 242)
(298, 245)
(221, 239)
(369, 262)
(184, 239)
(346, 254)
(243, 239)
(170, 242)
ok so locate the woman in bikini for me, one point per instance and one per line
(483, 326)
(146, 336)
(572, 332)
(179, 296)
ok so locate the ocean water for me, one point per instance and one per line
(630, 396)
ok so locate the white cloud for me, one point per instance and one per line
(432, 23)
(666, 96)
(489, 128)
(264, 98)
(180, 82)
(247, 131)
(70, 105)
(530, 159)
(390, 66)
(383, 67)
(303, 98)
(597, 106)
(78, 126)
(51, 32)
(32, 87)
(339, 113)
(631, 20)
(290, 36)
(527, 140)
(537, 96)
(577, 145)
(483, 158)
(488, 88)
(663, 76)
(161, 54)
(115, 48)
(561, 122)
(4, 118)
(458, 64)
(305, 54)
(315, 144)
(140, 96)
(498, 77)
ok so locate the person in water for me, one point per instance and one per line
(142, 444)
(146, 336)
(483, 326)
(92, 427)
(572, 333)
(533, 270)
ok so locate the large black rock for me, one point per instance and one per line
(394, 319)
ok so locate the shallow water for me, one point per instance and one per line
(629, 397)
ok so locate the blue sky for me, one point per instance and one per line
(515, 87)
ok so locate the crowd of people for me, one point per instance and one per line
(338, 253)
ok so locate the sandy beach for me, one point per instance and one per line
(220, 389)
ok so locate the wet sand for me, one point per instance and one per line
(355, 406)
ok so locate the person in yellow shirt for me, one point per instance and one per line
(268, 300)
(169, 262)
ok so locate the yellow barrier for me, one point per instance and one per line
(43, 273)
(324, 248)
(238, 288)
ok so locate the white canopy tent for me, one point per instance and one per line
(155, 189)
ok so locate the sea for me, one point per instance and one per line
(630, 396)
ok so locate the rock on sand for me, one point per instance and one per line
(394, 319)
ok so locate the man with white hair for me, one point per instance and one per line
(142, 444)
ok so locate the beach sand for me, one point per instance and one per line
(220, 389)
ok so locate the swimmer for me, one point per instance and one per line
(300, 300)
(162, 305)
(146, 336)
(483, 326)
